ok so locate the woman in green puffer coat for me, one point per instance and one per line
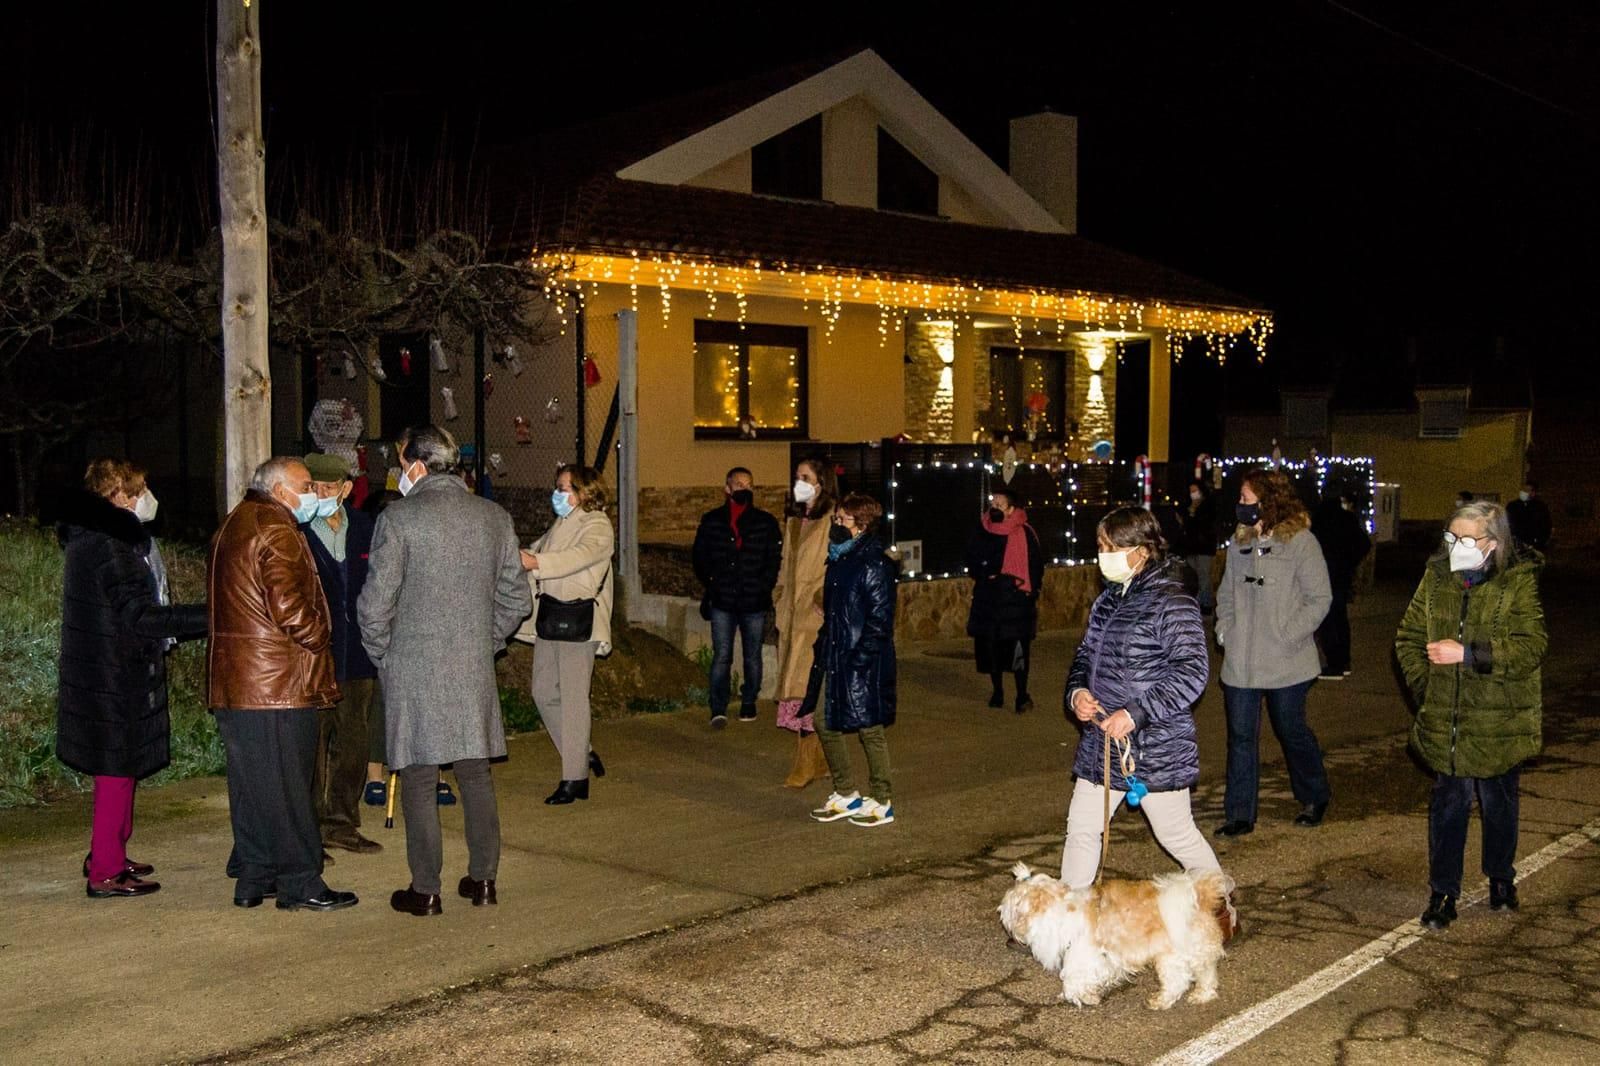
(1470, 646)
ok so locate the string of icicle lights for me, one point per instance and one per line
(1030, 312)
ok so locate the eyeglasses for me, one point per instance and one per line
(1451, 540)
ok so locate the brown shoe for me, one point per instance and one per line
(479, 892)
(409, 901)
(353, 842)
(124, 884)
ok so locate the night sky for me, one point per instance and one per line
(1432, 176)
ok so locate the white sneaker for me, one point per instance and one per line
(838, 807)
(873, 813)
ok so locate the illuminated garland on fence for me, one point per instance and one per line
(1220, 328)
(1323, 465)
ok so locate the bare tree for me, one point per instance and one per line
(241, 181)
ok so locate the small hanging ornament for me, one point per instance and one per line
(513, 360)
(405, 362)
(361, 458)
(376, 366)
(496, 462)
(436, 354)
(552, 409)
(1277, 454)
(524, 432)
(349, 368)
(747, 428)
(591, 372)
(488, 386)
(449, 397)
(347, 411)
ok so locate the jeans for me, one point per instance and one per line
(1447, 828)
(1287, 709)
(752, 629)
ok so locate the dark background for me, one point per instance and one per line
(1417, 192)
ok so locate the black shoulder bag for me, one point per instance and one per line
(567, 620)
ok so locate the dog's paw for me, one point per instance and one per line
(1202, 995)
(1082, 999)
(1160, 1002)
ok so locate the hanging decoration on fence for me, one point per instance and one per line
(1101, 450)
(552, 409)
(513, 360)
(447, 394)
(496, 462)
(437, 356)
(1277, 454)
(405, 362)
(488, 386)
(1008, 461)
(349, 367)
(524, 432)
(335, 426)
(591, 372)
(829, 289)
(376, 366)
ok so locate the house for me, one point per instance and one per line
(821, 255)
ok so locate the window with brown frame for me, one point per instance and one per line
(749, 378)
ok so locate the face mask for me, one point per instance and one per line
(1523, 496)
(561, 503)
(804, 491)
(742, 497)
(307, 509)
(996, 515)
(1194, 497)
(1465, 558)
(1249, 513)
(1114, 567)
(326, 506)
(837, 534)
(144, 508)
(1460, 504)
(406, 484)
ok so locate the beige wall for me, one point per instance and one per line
(1487, 459)
(850, 154)
(732, 176)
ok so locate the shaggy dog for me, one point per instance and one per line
(1098, 936)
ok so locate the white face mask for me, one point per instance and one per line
(1465, 558)
(1524, 496)
(1114, 567)
(406, 484)
(804, 491)
(144, 508)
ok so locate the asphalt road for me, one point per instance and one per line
(692, 913)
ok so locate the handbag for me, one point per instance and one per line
(571, 621)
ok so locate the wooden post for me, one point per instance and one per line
(241, 184)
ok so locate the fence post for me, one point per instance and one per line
(628, 459)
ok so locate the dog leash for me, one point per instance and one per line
(1136, 791)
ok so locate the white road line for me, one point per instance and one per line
(1248, 1024)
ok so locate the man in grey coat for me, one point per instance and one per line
(445, 590)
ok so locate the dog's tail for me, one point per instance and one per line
(1021, 872)
(1213, 895)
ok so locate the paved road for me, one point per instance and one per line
(691, 913)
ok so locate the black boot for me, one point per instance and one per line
(1503, 895)
(998, 697)
(1024, 701)
(568, 791)
(1441, 911)
(596, 767)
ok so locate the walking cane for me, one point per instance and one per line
(388, 812)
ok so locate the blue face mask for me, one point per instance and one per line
(326, 507)
(560, 503)
(307, 509)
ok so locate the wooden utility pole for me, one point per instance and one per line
(241, 182)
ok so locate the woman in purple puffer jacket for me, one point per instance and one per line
(1136, 677)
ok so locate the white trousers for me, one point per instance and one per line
(1170, 819)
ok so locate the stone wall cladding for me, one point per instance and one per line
(937, 610)
(673, 514)
(930, 409)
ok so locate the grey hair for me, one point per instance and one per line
(1492, 517)
(272, 473)
(434, 446)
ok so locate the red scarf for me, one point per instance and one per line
(734, 511)
(1014, 527)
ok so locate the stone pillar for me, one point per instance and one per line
(930, 381)
(1094, 391)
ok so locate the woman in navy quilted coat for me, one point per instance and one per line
(1135, 679)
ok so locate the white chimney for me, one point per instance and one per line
(1044, 161)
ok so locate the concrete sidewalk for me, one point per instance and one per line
(689, 823)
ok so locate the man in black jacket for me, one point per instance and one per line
(1345, 543)
(737, 553)
(1530, 519)
(340, 538)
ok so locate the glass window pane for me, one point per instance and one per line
(1005, 390)
(1045, 375)
(716, 384)
(775, 386)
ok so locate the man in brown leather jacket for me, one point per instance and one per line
(271, 668)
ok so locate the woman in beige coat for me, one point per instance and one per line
(572, 561)
(798, 603)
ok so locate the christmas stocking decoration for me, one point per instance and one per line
(449, 396)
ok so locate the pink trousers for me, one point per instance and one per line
(113, 825)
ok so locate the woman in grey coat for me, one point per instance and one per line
(1273, 596)
(572, 562)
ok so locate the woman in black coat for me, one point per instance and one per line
(853, 664)
(1006, 562)
(117, 622)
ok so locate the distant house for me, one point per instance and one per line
(821, 255)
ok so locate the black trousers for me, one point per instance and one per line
(1334, 632)
(1447, 827)
(276, 843)
(342, 747)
